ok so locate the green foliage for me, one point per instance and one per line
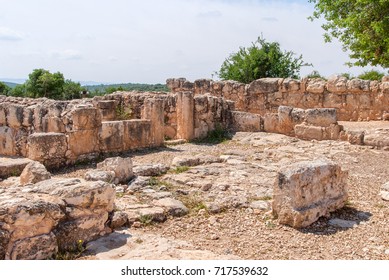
(263, 59)
(42, 83)
(361, 25)
(106, 89)
(372, 75)
(347, 75)
(72, 254)
(180, 169)
(123, 113)
(146, 220)
(4, 89)
(218, 135)
(315, 74)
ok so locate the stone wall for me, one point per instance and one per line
(62, 132)
(354, 99)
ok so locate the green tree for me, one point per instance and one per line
(71, 90)
(262, 59)
(42, 83)
(4, 89)
(372, 75)
(361, 25)
(19, 91)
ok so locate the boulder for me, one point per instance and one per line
(305, 191)
(150, 169)
(121, 166)
(100, 175)
(34, 172)
(174, 207)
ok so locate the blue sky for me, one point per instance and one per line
(149, 41)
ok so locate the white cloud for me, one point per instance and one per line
(7, 34)
(66, 54)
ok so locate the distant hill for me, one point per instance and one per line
(125, 87)
(11, 85)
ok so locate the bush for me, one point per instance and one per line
(372, 75)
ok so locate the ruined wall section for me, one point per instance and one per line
(354, 100)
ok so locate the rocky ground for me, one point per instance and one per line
(218, 200)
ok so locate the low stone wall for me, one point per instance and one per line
(353, 99)
(38, 220)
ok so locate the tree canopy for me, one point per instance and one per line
(362, 26)
(42, 83)
(262, 59)
(4, 89)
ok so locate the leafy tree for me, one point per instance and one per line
(315, 74)
(263, 59)
(361, 25)
(4, 89)
(19, 91)
(42, 83)
(372, 75)
(71, 90)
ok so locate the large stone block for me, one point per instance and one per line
(83, 142)
(321, 117)
(48, 148)
(305, 191)
(337, 84)
(12, 166)
(85, 118)
(15, 115)
(309, 132)
(7, 141)
(137, 134)
(265, 85)
(107, 109)
(316, 86)
(121, 166)
(186, 115)
(242, 121)
(111, 136)
(34, 172)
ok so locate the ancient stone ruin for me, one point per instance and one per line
(41, 215)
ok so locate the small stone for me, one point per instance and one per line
(137, 224)
(259, 204)
(33, 173)
(202, 212)
(174, 207)
(206, 187)
(214, 237)
(119, 219)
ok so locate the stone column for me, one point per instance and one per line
(185, 115)
(154, 111)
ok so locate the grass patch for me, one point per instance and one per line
(193, 203)
(180, 169)
(156, 182)
(146, 220)
(216, 136)
(71, 254)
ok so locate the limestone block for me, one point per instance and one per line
(150, 169)
(48, 148)
(55, 124)
(290, 85)
(121, 166)
(35, 248)
(83, 142)
(85, 118)
(265, 85)
(378, 138)
(321, 117)
(309, 132)
(107, 109)
(337, 84)
(28, 117)
(137, 134)
(174, 207)
(186, 115)
(202, 86)
(242, 121)
(12, 166)
(154, 111)
(15, 115)
(365, 101)
(358, 86)
(34, 172)
(286, 124)
(305, 191)
(111, 136)
(316, 86)
(7, 141)
(270, 123)
(332, 132)
(100, 175)
(3, 119)
(333, 100)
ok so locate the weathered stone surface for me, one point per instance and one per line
(306, 191)
(50, 215)
(34, 172)
(100, 175)
(265, 85)
(337, 84)
(185, 114)
(150, 169)
(242, 121)
(342, 223)
(121, 166)
(174, 207)
(137, 134)
(316, 86)
(321, 117)
(85, 118)
(378, 138)
(7, 141)
(111, 136)
(309, 132)
(83, 142)
(12, 166)
(118, 219)
(49, 148)
(35, 248)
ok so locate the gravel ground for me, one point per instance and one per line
(251, 234)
